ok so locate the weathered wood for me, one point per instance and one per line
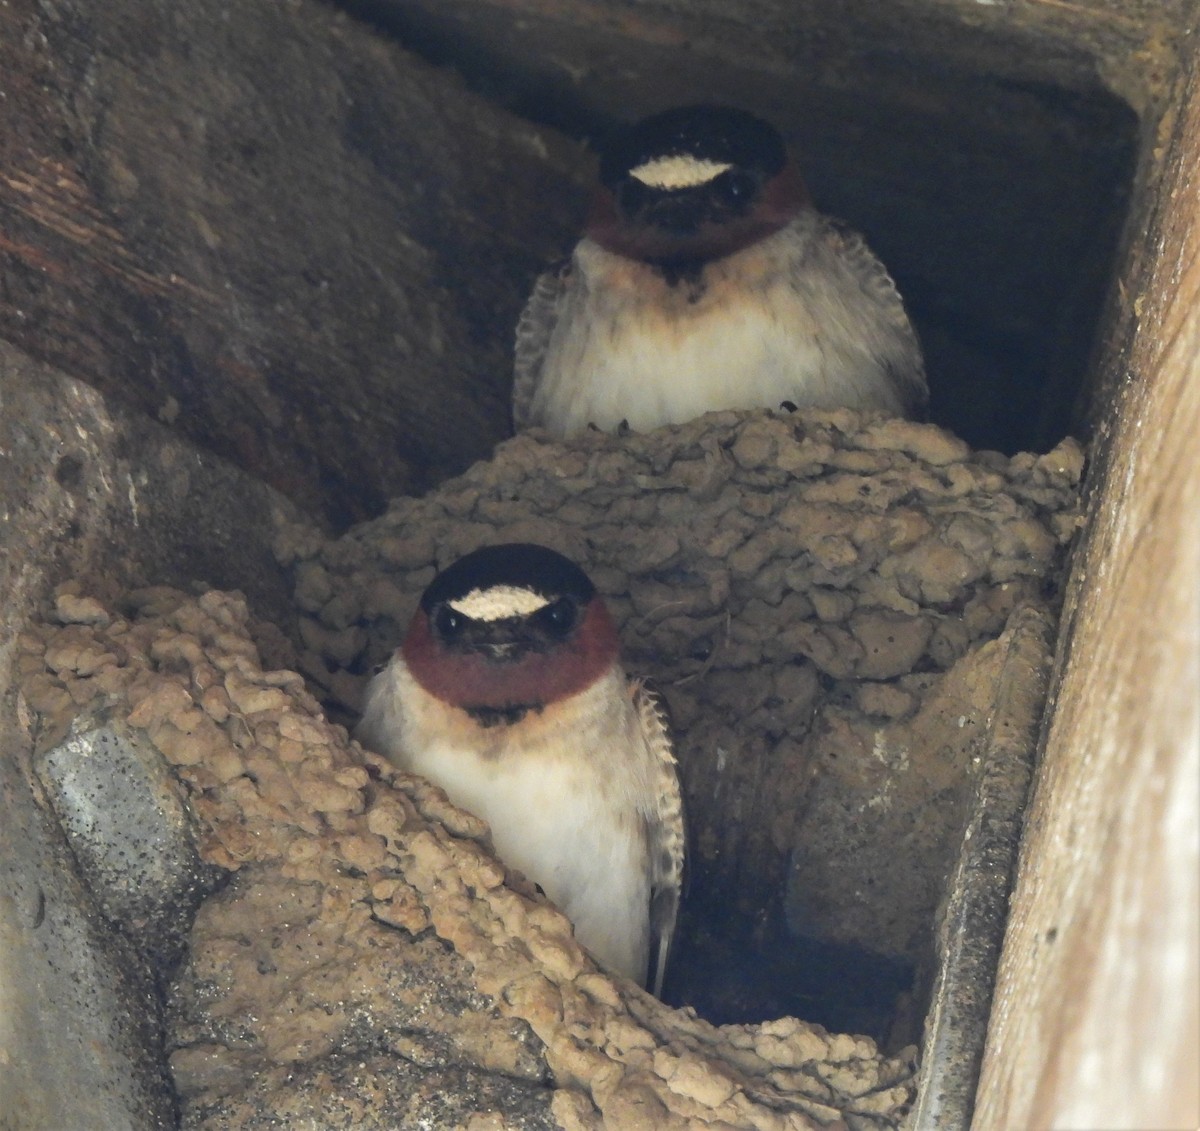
(260, 223)
(1096, 1021)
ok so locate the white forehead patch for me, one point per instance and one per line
(498, 602)
(680, 171)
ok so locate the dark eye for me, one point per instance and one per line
(632, 196)
(557, 618)
(736, 187)
(448, 623)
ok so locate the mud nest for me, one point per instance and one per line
(812, 591)
(363, 963)
(823, 598)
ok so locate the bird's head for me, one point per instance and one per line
(508, 629)
(694, 184)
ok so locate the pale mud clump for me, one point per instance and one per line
(812, 591)
(365, 963)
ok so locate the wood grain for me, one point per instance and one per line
(1096, 1016)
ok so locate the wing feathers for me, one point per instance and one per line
(665, 826)
(903, 360)
(534, 328)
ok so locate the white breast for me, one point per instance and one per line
(801, 316)
(564, 794)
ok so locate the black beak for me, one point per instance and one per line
(681, 214)
(500, 642)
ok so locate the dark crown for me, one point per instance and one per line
(519, 564)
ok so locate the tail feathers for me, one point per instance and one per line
(664, 907)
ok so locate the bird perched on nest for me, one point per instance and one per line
(508, 692)
(706, 280)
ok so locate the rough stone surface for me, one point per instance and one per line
(89, 490)
(303, 248)
(367, 943)
(812, 592)
(132, 839)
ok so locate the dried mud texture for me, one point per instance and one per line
(811, 590)
(366, 964)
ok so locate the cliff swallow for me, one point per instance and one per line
(508, 692)
(706, 280)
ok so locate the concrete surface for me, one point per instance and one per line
(88, 490)
(301, 247)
